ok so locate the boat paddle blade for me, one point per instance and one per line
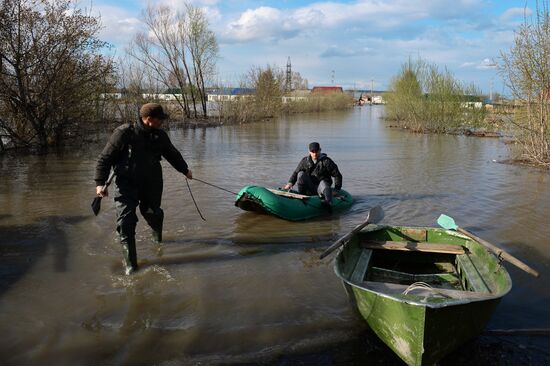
(96, 205)
(447, 222)
(375, 215)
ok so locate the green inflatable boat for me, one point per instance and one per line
(288, 205)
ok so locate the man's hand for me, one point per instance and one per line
(189, 174)
(288, 186)
(101, 191)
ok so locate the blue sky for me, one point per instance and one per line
(355, 42)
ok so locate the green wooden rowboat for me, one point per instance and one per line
(288, 205)
(423, 291)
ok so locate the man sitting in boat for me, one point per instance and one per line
(314, 175)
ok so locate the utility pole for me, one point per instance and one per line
(332, 79)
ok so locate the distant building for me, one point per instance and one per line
(227, 94)
(377, 99)
(296, 95)
(326, 89)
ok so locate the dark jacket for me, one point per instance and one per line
(324, 169)
(135, 151)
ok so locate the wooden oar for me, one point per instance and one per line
(96, 203)
(448, 223)
(288, 194)
(375, 215)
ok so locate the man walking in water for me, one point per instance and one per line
(134, 152)
(314, 175)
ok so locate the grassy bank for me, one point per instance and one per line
(248, 109)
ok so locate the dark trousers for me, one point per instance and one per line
(127, 199)
(309, 186)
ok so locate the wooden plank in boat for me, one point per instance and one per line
(288, 194)
(470, 272)
(413, 246)
(361, 267)
(397, 289)
(415, 234)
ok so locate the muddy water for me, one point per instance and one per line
(245, 288)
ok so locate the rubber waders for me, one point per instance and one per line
(129, 255)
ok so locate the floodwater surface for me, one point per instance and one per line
(242, 287)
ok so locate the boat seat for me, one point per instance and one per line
(288, 194)
(398, 289)
(413, 246)
(471, 278)
(360, 270)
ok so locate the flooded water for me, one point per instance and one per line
(246, 288)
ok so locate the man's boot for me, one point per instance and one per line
(129, 255)
(155, 219)
(157, 235)
(156, 224)
(327, 206)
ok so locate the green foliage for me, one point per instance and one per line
(268, 83)
(423, 98)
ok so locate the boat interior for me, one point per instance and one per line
(405, 263)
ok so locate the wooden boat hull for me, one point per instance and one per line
(421, 328)
(288, 206)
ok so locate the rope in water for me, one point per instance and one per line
(193, 198)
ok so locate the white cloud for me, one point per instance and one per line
(359, 39)
(119, 25)
(516, 13)
(261, 23)
(272, 23)
(485, 64)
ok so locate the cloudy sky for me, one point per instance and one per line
(353, 43)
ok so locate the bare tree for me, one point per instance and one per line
(298, 83)
(163, 50)
(181, 51)
(203, 47)
(526, 70)
(134, 82)
(51, 70)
